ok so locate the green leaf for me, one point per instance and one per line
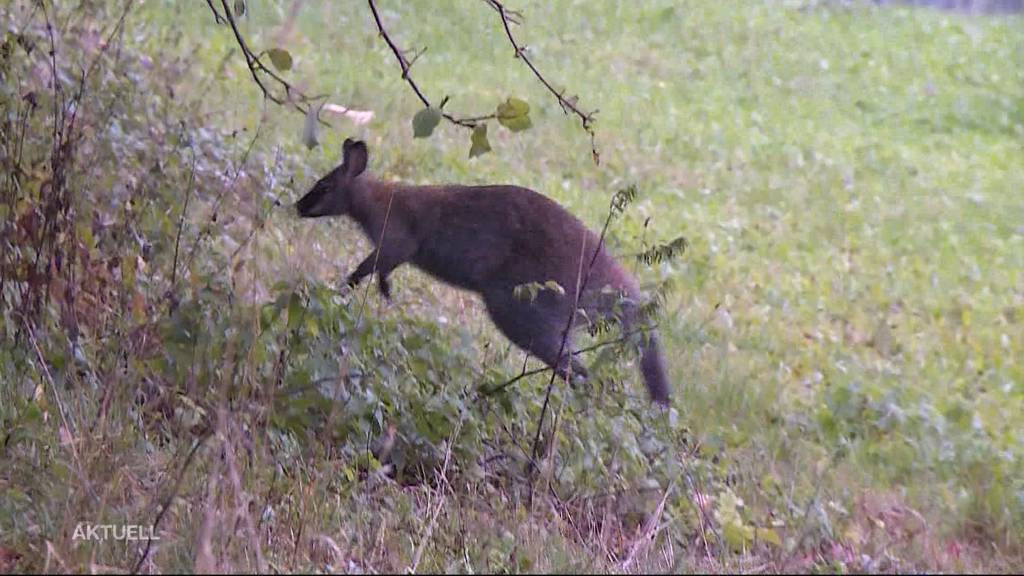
(424, 122)
(514, 114)
(239, 7)
(281, 59)
(525, 292)
(529, 290)
(555, 287)
(480, 145)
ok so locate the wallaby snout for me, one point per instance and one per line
(312, 205)
(489, 240)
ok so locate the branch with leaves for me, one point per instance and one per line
(279, 58)
(621, 340)
(406, 65)
(513, 113)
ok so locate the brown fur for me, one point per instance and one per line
(488, 239)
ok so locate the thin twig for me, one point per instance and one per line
(508, 432)
(242, 502)
(650, 530)
(568, 104)
(257, 69)
(216, 15)
(223, 193)
(61, 409)
(406, 65)
(603, 344)
(118, 26)
(700, 499)
(581, 287)
(376, 259)
(443, 484)
(166, 504)
(181, 219)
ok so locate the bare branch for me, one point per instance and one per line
(221, 195)
(508, 18)
(514, 16)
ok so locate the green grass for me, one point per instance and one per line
(845, 330)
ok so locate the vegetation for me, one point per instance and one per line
(828, 202)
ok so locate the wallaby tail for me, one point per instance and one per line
(653, 367)
(652, 364)
(637, 330)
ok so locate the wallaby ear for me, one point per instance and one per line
(356, 158)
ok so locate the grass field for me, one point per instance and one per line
(845, 330)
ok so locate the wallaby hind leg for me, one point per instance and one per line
(536, 327)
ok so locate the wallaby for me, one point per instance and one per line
(490, 239)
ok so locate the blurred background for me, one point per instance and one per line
(971, 6)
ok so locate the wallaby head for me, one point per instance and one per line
(331, 195)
